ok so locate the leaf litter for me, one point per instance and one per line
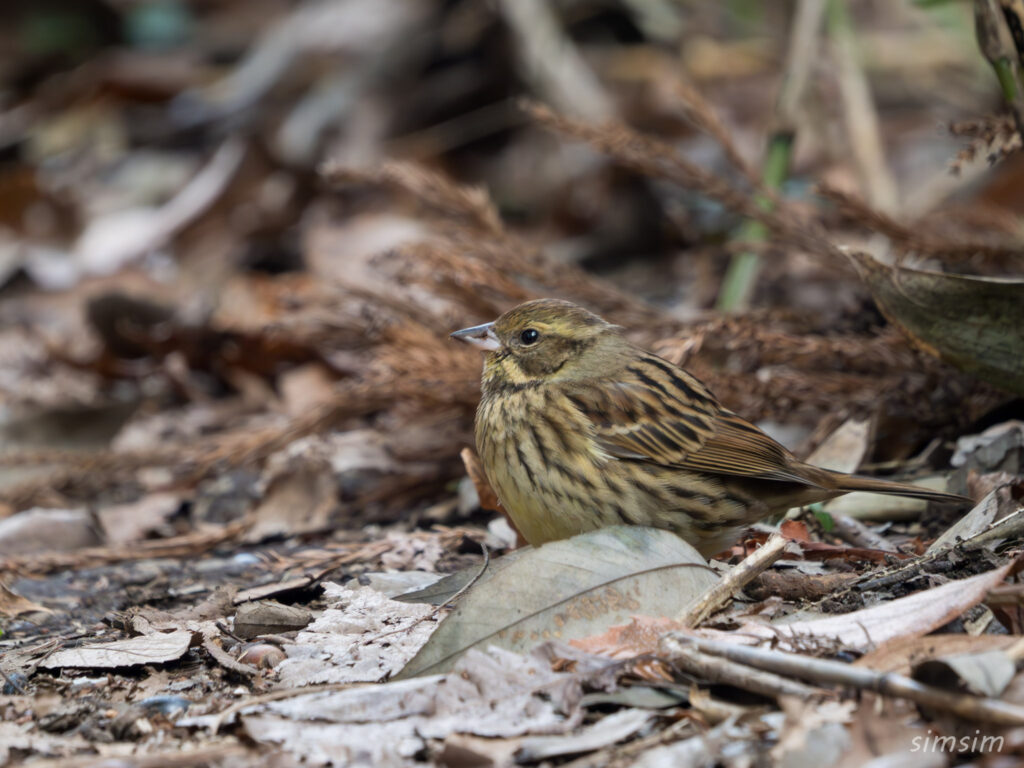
(233, 430)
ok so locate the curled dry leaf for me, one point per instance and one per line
(998, 449)
(907, 617)
(973, 323)
(298, 500)
(904, 653)
(796, 530)
(974, 522)
(984, 674)
(911, 616)
(124, 523)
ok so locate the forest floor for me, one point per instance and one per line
(241, 521)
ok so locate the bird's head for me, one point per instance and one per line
(545, 340)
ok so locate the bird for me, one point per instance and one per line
(578, 429)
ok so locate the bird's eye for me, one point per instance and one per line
(529, 336)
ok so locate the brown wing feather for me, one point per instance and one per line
(657, 412)
(739, 448)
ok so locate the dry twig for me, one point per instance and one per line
(653, 157)
(742, 574)
(921, 240)
(823, 671)
(686, 657)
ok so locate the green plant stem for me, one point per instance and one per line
(740, 278)
(1007, 81)
(998, 47)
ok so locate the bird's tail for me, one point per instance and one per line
(847, 483)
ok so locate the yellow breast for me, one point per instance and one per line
(541, 459)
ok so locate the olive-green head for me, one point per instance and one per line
(545, 339)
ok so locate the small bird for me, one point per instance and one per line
(578, 428)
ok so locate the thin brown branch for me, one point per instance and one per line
(721, 594)
(472, 204)
(688, 658)
(656, 158)
(825, 672)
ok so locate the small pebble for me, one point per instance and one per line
(14, 681)
(165, 705)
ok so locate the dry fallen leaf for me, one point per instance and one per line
(297, 501)
(641, 636)
(844, 449)
(609, 730)
(133, 521)
(496, 694)
(984, 673)
(47, 530)
(986, 512)
(269, 617)
(569, 589)
(911, 616)
(902, 654)
(156, 648)
(12, 604)
(362, 637)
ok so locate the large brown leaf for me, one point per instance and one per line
(973, 323)
(568, 589)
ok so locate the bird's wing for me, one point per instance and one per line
(654, 411)
(651, 411)
(740, 449)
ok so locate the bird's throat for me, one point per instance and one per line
(502, 373)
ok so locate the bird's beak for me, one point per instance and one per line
(482, 336)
